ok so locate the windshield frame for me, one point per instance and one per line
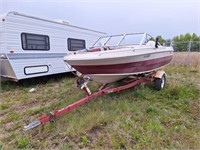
(143, 39)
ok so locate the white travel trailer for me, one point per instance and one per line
(32, 47)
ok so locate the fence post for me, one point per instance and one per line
(188, 57)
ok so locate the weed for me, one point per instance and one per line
(65, 146)
(22, 143)
(118, 141)
(151, 110)
(84, 141)
(3, 106)
(14, 116)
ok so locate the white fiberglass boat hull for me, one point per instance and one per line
(112, 65)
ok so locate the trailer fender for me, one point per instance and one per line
(159, 74)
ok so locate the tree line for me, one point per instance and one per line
(183, 42)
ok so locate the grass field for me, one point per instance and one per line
(137, 118)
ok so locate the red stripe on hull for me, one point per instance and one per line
(134, 67)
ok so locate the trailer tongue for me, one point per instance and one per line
(82, 83)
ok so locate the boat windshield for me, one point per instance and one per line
(123, 39)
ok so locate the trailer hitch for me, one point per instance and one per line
(32, 125)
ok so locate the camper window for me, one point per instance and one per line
(75, 44)
(35, 41)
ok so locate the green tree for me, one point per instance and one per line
(168, 42)
(161, 40)
(195, 45)
(182, 42)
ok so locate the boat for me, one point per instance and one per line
(116, 57)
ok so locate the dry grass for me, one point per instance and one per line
(185, 58)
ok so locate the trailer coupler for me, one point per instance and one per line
(32, 125)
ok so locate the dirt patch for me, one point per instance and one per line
(96, 129)
(23, 108)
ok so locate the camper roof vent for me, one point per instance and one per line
(62, 21)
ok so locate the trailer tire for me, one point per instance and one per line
(159, 83)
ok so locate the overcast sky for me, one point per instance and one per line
(157, 17)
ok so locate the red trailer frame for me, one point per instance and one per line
(50, 117)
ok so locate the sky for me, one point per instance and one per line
(167, 18)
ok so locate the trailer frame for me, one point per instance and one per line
(104, 89)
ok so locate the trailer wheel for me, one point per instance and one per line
(159, 83)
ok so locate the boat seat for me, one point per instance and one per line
(151, 43)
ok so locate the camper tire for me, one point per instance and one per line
(159, 83)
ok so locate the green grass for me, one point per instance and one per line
(137, 118)
(22, 143)
(3, 106)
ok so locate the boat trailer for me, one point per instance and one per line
(159, 83)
